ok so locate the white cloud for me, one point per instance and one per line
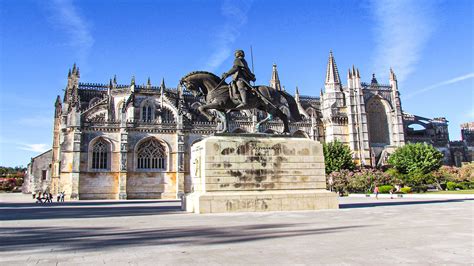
(441, 84)
(402, 29)
(40, 147)
(235, 14)
(65, 15)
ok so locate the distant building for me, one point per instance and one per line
(38, 173)
(115, 141)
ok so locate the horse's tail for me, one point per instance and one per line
(295, 113)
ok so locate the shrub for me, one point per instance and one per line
(411, 158)
(338, 181)
(405, 190)
(385, 189)
(419, 188)
(452, 185)
(466, 172)
(337, 157)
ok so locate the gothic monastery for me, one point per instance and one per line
(114, 141)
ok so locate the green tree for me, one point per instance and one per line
(415, 163)
(337, 157)
(416, 158)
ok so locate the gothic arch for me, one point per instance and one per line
(99, 154)
(158, 152)
(379, 121)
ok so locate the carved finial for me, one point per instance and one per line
(133, 81)
(115, 80)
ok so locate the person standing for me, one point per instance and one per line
(376, 192)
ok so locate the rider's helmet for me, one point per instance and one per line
(239, 53)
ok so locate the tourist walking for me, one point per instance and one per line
(376, 192)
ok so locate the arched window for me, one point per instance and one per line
(151, 154)
(100, 154)
(379, 133)
(147, 112)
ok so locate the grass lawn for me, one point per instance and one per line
(466, 191)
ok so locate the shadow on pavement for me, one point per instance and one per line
(43, 213)
(82, 203)
(396, 203)
(96, 238)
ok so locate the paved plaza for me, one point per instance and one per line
(364, 231)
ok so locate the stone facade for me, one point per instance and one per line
(113, 141)
(38, 173)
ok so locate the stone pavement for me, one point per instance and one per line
(364, 231)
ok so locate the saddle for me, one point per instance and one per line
(235, 94)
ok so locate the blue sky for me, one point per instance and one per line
(427, 43)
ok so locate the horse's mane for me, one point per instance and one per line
(200, 72)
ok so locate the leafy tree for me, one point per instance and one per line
(416, 159)
(337, 157)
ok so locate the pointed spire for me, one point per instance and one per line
(163, 86)
(111, 85)
(392, 75)
(357, 74)
(115, 79)
(74, 69)
(69, 73)
(77, 72)
(332, 74)
(58, 101)
(283, 88)
(132, 82)
(353, 70)
(349, 74)
(297, 94)
(148, 83)
(275, 81)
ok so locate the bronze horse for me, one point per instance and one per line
(217, 96)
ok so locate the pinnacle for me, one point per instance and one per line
(332, 74)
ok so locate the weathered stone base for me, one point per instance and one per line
(260, 201)
(249, 173)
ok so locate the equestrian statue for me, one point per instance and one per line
(238, 95)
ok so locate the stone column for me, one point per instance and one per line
(180, 158)
(123, 160)
(76, 161)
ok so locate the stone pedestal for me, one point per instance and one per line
(248, 173)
